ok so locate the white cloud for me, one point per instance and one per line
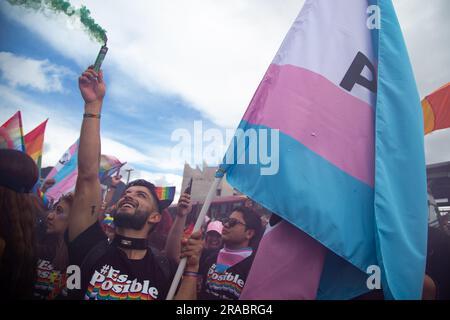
(426, 29)
(62, 131)
(214, 53)
(37, 74)
(437, 146)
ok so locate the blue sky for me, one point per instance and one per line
(171, 63)
(140, 118)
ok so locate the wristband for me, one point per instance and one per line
(91, 115)
(191, 274)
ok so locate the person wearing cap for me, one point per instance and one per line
(19, 208)
(213, 238)
(127, 268)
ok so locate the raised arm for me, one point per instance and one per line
(192, 249)
(173, 243)
(115, 180)
(87, 198)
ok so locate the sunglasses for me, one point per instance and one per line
(231, 222)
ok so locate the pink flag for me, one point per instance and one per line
(287, 266)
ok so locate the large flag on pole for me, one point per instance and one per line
(12, 133)
(349, 154)
(436, 109)
(34, 143)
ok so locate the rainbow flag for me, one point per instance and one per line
(165, 195)
(436, 109)
(109, 165)
(340, 111)
(34, 143)
(12, 133)
(6, 142)
(108, 221)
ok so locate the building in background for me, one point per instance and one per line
(201, 182)
(438, 178)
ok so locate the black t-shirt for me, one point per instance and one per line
(115, 277)
(50, 282)
(226, 285)
(438, 261)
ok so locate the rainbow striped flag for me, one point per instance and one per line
(165, 195)
(109, 165)
(436, 109)
(34, 143)
(340, 104)
(11, 133)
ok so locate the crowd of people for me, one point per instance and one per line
(114, 243)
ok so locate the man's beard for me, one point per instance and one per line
(134, 221)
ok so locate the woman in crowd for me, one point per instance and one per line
(52, 252)
(18, 211)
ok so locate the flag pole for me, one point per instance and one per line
(198, 224)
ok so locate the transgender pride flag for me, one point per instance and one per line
(351, 184)
(65, 173)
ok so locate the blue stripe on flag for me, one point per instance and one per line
(400, 176)
(336, 210)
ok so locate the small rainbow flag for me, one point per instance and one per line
(34, 143)
(12, 133)
(436, 109)
(108, 221)
(165, 195)
(108, 166)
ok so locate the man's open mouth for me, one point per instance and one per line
(128, 204)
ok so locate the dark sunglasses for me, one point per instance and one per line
(231, 222)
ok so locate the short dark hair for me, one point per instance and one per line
(150, 186)
(252, 221)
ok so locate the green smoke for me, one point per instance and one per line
(61, 6)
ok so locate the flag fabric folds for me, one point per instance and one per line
(351, 171)
(109, 165)
(65, 172)
(436, 109)
(34, 143)
(11, 133)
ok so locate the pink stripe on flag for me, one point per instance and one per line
(287, 266)
(63, 187)
(232, 257)
(72, 150)
(320, 115)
